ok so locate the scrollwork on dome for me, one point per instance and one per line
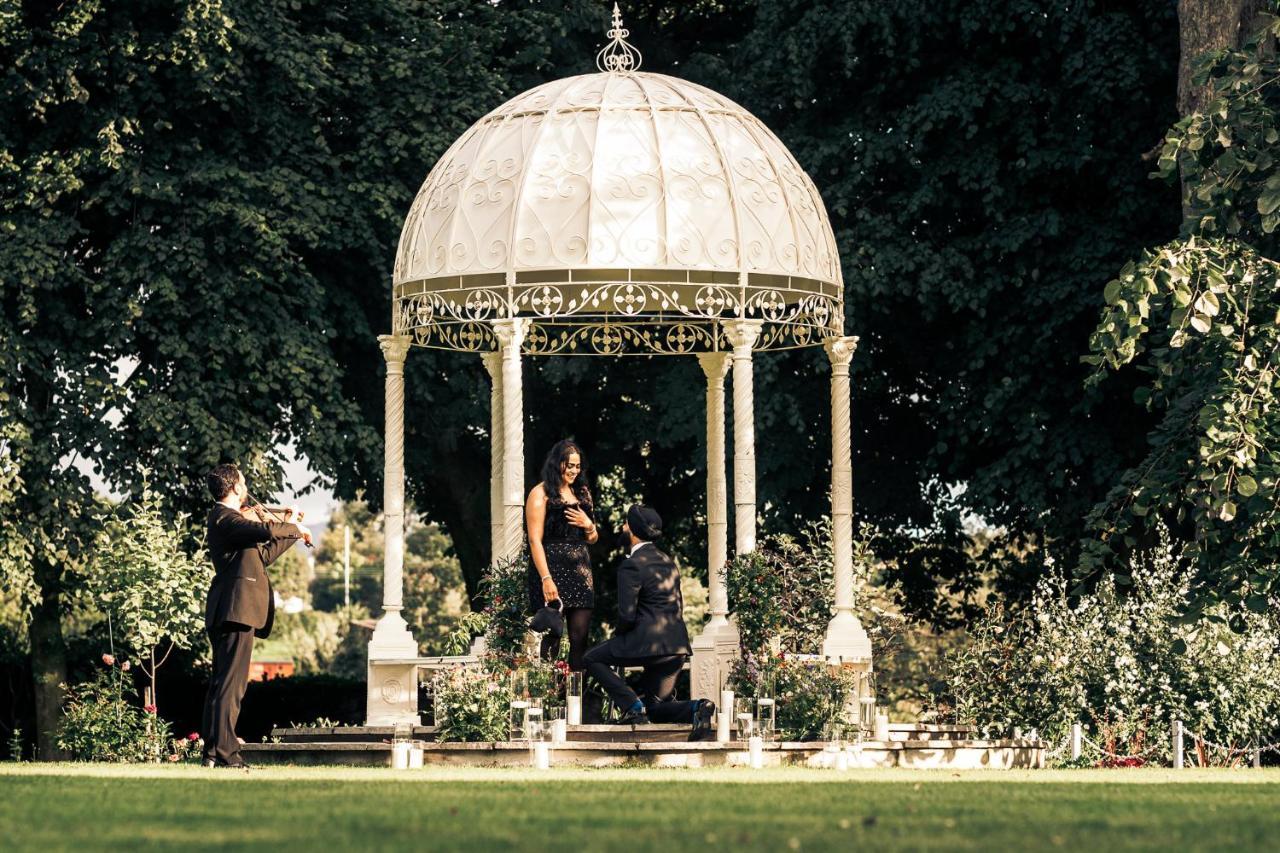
(620, 212)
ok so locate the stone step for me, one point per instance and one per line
(953, 754)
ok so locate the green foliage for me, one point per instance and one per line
(434, 594)
(1199, 319)
(100, 724)
(505, 617)
(782, 593)
(323, 642)
(471, 704)
(143, 576)
(1123, 661)
(1226, 152)
(812, 698)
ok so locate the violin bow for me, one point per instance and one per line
(260, 505)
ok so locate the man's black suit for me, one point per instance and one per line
(240, 606)
(651, 633)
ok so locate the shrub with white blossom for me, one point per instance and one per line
(1114, 660)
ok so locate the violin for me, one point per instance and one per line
(254, 510)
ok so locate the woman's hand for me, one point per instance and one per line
(549, 591)
(578, 518)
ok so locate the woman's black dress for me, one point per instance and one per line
(567, 557)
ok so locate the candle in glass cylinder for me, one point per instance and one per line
(574, 710)
(724, 721)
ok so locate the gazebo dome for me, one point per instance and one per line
(621, 212)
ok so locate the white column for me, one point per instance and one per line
(716, 366)
(510, 334)
(497, 446)
(715, 648)
(743, 334)
(392, 686)
(846, 639)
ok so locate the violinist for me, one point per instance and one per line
(242, 541)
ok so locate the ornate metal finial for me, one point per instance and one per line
(618, 56)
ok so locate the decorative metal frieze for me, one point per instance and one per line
(616, 318)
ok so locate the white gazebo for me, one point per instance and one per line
(621, 213)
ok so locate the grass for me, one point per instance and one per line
(95, 807)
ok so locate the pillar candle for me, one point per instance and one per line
(574, 712)
(541, 756)
(755, 746)
(724, 722)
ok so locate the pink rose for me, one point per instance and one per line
(124, 667)
(150, 709)
(193, 736)
(109, 660)
(173, 757)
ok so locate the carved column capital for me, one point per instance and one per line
(841, 350)
(492, 364)
(715, 365)
(743, 334)
(395, 349)
(510, 331)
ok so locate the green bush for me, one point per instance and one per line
(505, 617)
(782, 593)
(1123, 661)
(471, 704)
(811, 697)
(100, 724)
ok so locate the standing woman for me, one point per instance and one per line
(561, 524)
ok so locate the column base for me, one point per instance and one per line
(714, 651)
(846, 640)
(391, 694)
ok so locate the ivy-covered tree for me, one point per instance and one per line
(1199, 320)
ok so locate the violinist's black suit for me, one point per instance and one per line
(240, 606)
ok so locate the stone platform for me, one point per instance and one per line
(909, 745)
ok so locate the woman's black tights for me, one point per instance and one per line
(577, 623)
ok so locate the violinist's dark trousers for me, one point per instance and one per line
(232, 649)
(655, 688)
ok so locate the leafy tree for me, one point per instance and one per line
(151, 589)
(1199, 318)
(195, 199)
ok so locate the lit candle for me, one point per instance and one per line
(724, 722)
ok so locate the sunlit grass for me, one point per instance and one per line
(89, 807)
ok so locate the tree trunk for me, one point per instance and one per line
(1208, 25)
(48, 663)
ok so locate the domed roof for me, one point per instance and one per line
(626, 199)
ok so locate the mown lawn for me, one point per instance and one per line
(84, 807)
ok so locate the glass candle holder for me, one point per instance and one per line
(766, 716)
(573, 699)
(745, 725)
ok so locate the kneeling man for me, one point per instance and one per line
(651, 633)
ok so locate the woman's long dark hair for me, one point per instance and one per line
(553, 471)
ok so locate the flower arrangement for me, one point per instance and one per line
(504, 619)
(471, 704)
(812, 696)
